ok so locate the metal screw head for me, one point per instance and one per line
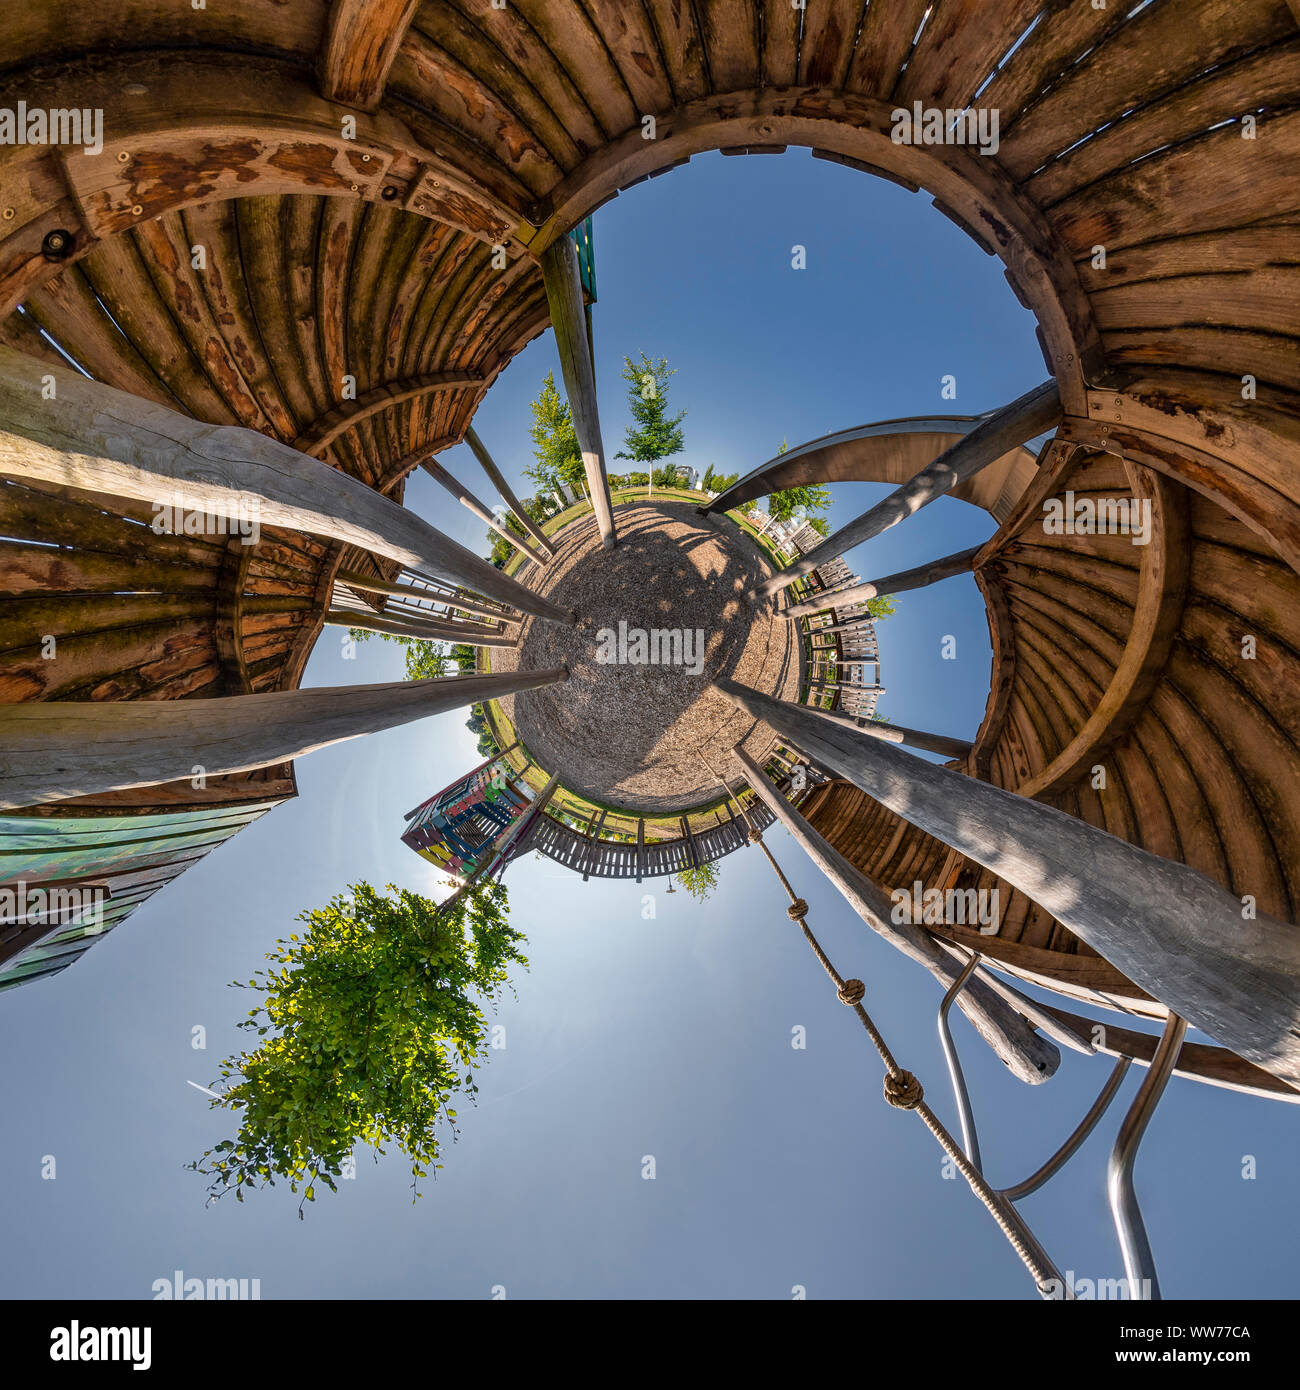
(365, 159)
(388, 193)
(57, 244)
(356, 188)
(122, 156)
(436, 184)
(9, 214)
(136, 209)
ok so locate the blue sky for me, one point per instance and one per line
(668, 1036)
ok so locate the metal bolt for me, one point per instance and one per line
(436, 184)
(136, 209)
(365, 159)
(122, 156)
(57, 244)
(9, 214)
(356, 188)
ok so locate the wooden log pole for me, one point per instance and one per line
(1029, 415)
(504, 491)
(51, 750)
(1032, 1058)
(1174, 932)
(961, 563)
(564, 296)
(467, 499)
(370, 585)
(466, 634)
(106, 441)
(898, 733)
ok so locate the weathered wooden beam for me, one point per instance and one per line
(1215, 1066)
(1171, 930)
(468, 634)
(897, 733)
(361, 45)
(107, 441)
(1029, 415)
(467, 499)
(564, 296)
(56, 749)
(412, 591)
(917, 578)
(504, 491)
(1030, 1057)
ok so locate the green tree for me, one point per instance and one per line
(699, 882)
(784, 505)
(555, 442)
(717, 482)
(820, 525)
(369, 1029)
(655, 436)
(425, 660)
(881, 607)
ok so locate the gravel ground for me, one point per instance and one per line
(631, 735)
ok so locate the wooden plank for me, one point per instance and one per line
(1139, 64)
(1262, 80)
(830, 28)
(960, 47)
(883, 46)
(360, 46)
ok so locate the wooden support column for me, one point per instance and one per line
(467, 499)
(498, 481)
(564, 296)
(106, 441)
(1174, 932)
(1030, 415)
(467, 634)
(961, 563)
(50, 751)
(897, 733)
(413, 592)
(1030, 1057)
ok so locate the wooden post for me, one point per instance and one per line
(498, 481)
(467, 499)
(897, 733)
(1031, 414)
(53, 750)
(961, 563)
(467, 634)
(369, 585)
(1030, 1057)
(564, 296)
(107, 441)
(1174, 932)
(640, 848)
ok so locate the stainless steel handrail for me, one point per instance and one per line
(969, 1139)
(1139, 1262)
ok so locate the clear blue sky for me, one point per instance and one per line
(630, 1037)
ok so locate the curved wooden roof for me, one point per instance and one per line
(888, 451)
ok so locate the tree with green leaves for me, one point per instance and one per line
(555, 441)
(369, 1028)
(477, 723)
(700, 881)
(425, 660)
(654, 435)
(717, 482)
(784, 505)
